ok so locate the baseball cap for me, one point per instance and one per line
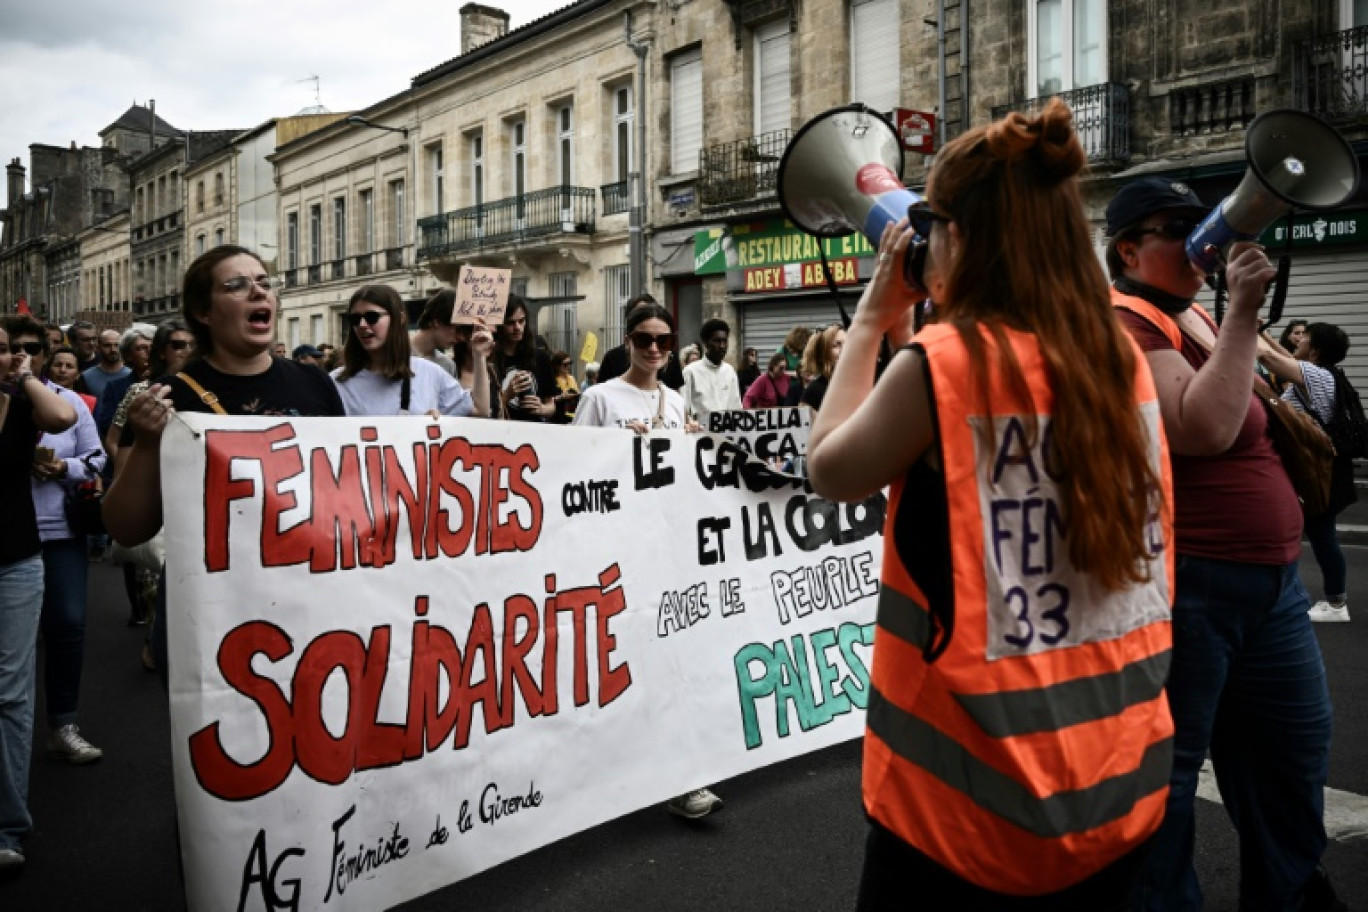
(303, 351)
(1149, 195)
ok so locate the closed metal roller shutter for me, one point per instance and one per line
(1333, 288)
(765, 323)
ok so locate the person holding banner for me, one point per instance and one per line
(229, 303)
(819, 361)
(527, 386)
(638, 400)
(1019, 740)
(381, 376)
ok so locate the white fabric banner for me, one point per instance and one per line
(404, 651)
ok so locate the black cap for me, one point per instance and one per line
(1149, 195)
(302, 351)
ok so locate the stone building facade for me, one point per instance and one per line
(105, 272)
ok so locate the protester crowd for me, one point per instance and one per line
(1191, 517)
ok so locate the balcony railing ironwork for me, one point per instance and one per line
(555, 210)
(1101, 119)
(1216, 107)
(165, 304)
(363, 264)
(394, 259)
(1330, 74)
(315, 273)
(616, 197)
(742, 170)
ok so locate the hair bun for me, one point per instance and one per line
(1049, 137)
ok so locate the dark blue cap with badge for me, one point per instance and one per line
(1149, 195)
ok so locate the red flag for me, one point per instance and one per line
(23, 308)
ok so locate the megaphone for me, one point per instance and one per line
(839, 175)
(1296, 161)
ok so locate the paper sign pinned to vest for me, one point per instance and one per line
(481, 293)
(397, 646)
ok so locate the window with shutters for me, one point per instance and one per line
(517, 131)
(339, 228)
(1353, 13)
(565, 144)
(622, 132)
(315, 235)
(772, 86)
(1067, 45)
(434, 154)
(875, 62)
(686, 111)
(292, 240)
(367, 225)
(617, 281)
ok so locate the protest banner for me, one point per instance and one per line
(481, 293)
(404, 651)
(778, 437)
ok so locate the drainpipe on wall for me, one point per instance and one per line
(636, 251)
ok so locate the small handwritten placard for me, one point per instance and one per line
(481, 292)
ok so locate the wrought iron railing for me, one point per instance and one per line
(1216, 107)
(616, 197)
(1101, 119)
(363, 264)
(555, 210)
(1330, 74)
(746, 169)
(166, 304)
(394, 259)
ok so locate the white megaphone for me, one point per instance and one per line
(1296, 161)
(839, 174)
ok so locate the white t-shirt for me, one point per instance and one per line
(711, 387)
(615, 402)
(431, 388)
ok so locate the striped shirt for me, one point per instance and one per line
(1320, 391)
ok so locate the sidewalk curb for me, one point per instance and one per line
(1351, 534)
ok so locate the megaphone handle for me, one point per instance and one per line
(1275, 308)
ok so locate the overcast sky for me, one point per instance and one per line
(69, 68)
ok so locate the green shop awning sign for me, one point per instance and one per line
(1318, 229)
(741, 247)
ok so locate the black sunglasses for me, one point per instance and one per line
(1175, 229)
(370, 316)
(30, 348)
(179, 344)
(921, 216)
(664, 342)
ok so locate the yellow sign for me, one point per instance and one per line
(590, 350)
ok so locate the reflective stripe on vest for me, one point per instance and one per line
(1037, 748)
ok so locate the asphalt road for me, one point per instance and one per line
(791, 836)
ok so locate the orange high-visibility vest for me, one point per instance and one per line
(1036, 748)
(1165, 323)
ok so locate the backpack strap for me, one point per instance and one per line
(205, 396)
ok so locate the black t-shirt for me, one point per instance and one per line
(815, 392)
(286, 388)
(18, 437)
(543, 378)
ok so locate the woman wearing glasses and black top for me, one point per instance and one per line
(638, 400)
(381, 376)
(230, 305)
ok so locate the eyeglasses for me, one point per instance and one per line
(180, 344)
(664, 342)
(922, 217)
(370, 316)
(1176, 229)
(241, 286)
(29, 348)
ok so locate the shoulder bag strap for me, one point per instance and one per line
(659, 420)
(405, 390)
(205, 396)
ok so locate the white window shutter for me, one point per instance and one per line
(875, 68)
(773, 87)
(686, 111)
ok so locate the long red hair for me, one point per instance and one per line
(1026, 262)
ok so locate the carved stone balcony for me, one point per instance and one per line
(1217, 107)
(1101, 119)
(741, 171)
(1330, 75)
(555, 211)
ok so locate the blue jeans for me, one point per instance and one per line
(21, 601)
(1248, 682)
(1320, 531)
(63, 625)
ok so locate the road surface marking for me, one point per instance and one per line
(1346, 814)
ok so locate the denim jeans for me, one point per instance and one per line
(1320, 531)
(21, 601)
(63, 626)
(1248, 682)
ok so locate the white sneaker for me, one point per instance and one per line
(67, 744)
(695, 804)
(1324, 612)
(11, 859)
